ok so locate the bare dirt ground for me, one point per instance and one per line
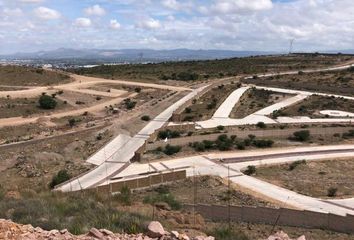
(32, 165)
(254, 100)
(27, 107)
(312, 106)
(313, 178)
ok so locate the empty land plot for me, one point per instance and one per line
(26, 107)
(336, 82)
(201, 70)
(81, 99)
(208, 190)
(32, 165)
(312, 106)
(254, 100)
(312, 178)
(204, 107)
(28, 76)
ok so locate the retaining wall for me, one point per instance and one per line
(143, 181)
(276, 216)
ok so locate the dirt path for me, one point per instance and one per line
(80, 83)
(15, 121)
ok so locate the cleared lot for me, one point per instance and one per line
(313, 178)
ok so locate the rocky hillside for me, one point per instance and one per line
(12, 231)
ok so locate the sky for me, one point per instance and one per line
(259, 25)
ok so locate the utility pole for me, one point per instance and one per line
(291, 45)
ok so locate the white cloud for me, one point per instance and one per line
(47, 13)
(149, 23)
(32, 1)
(114, 24)
(13, 11)
(173, 4)
(241, 6)
(95, 10)
(82, 22)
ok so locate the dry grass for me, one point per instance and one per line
(26, 106)
(312, 106)
(313, 178)
(27, 76)
(338, 82)
(206, 105)
(254, 100)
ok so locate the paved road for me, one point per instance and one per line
(118, 161)
(221, 115)
(226, 107)
(209, 165)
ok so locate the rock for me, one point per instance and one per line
(183, 237)
(302, 238)
(155, 230)
(163, 206)
(175, 234)
(106, 232)
(283, 236)
(95, 233)
(203, 238)
(13, 195)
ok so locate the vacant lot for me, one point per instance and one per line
(313, 178)
(207, 190)
(337, 82)
(204, 107)
(192, 70)
(254, 100)
(26, 107)
(312, 106)
(27, 76)
(32, 165)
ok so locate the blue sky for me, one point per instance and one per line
(32, 25)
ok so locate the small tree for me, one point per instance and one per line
(60, 177)
(47, 102)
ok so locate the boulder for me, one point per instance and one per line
(95, 233)
(155, 230)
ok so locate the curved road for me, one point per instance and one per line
(218, 164)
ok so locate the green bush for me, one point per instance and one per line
(220, 128)
(72, 122)
(302, 136)
(59, 178)
(332, 192)
(188, 110)
(168, 134)
(294, 165)
(171, 150)
(261, 125)
(125, 196)
(47, 102)
(224, 233)
(145, 118)
(163, 197)
(250, 170)
(263, 143)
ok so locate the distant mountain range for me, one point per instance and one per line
(132, 54)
